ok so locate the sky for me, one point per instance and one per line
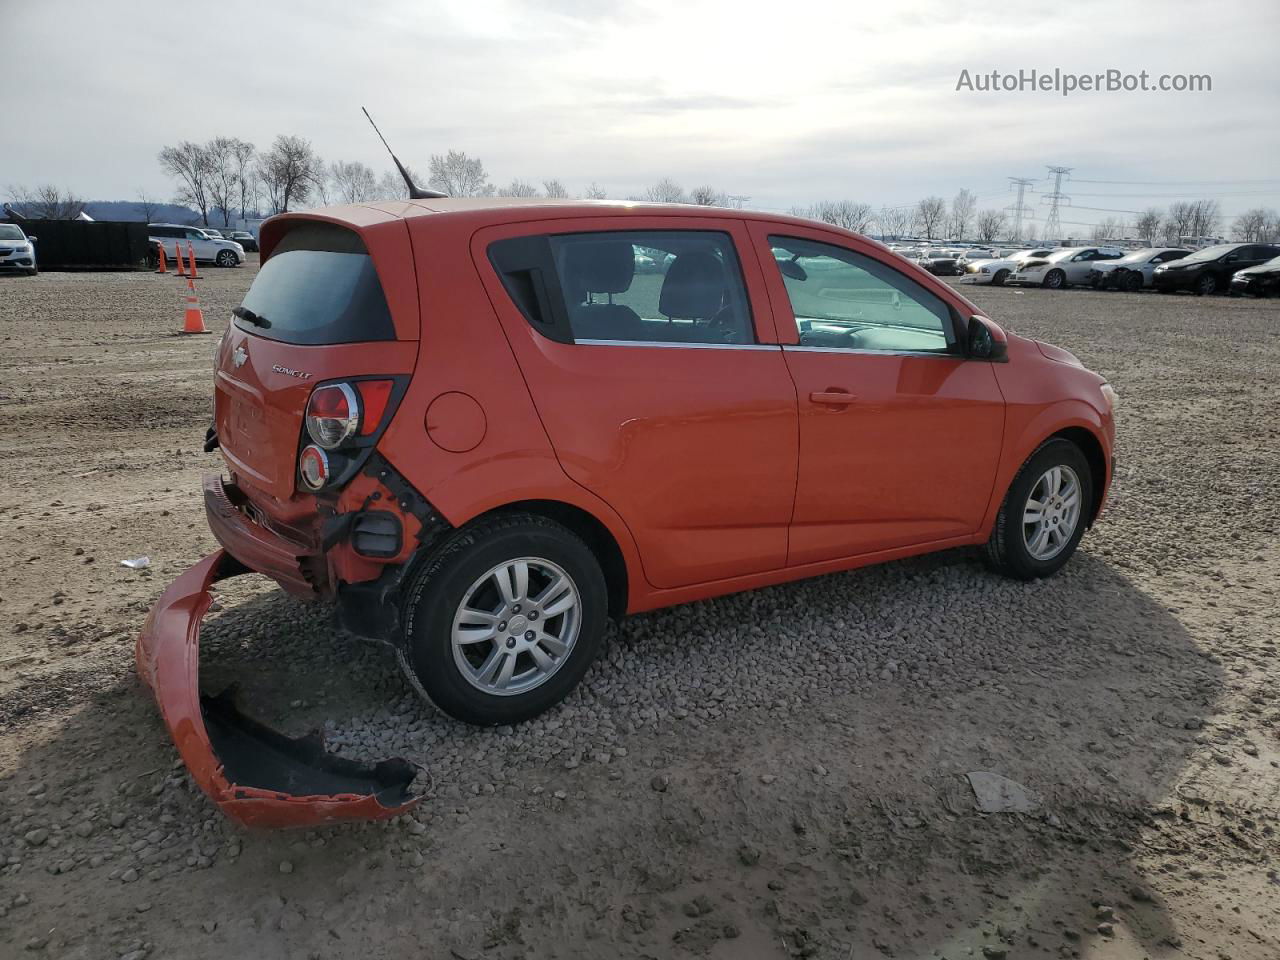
(785, 104)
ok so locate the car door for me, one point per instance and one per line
(900, 436)
(649, 352)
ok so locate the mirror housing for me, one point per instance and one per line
(986, 341)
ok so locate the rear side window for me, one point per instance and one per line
(635, 286)
(318, 286)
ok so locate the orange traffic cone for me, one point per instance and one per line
(191, 255)
(193, 321)
(163, 267)
(177, 256)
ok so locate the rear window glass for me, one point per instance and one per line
(318, 286)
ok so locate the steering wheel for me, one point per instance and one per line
(722, 324)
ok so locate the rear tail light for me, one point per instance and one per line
(333, 415)
(342, 419)
(313, 465)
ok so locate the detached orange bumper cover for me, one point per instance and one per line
(256, 775)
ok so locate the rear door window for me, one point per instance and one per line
(634, 286)
(318, 286)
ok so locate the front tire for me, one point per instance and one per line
(505, 620)
(1000, 277)
(1044, 514)
(1133, 282)
(1207, 285)
(227, 258)
(1055, 280)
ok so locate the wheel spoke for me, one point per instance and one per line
(557, 647)
(541, 658)
(490, 667)
(502, 577)
(1041, 539)
(469, 635)
(508, 668)
(520, 574)
(1033, 512)
(566, 602)
(470, 616)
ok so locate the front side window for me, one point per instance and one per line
(670, 286)
(847, 300)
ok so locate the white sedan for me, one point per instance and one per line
(1062, 268)
(996, 272)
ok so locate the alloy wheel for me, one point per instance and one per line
(1052, 513)
(516, 626)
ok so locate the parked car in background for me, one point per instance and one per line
(215, 234)
(1210, 270)
(225, 253)
(17, 250)
(245, 239)
(940, 264)
(1134, 270)
(996, 272)
(1260, 281)
(1062, 268)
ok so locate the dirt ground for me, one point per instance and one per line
(776, 809)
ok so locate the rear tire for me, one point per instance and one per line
(491, 635)
(1015, 548)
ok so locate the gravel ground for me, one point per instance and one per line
(779, 773)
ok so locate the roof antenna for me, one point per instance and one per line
(414, 192)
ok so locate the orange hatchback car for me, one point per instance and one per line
(481, 428)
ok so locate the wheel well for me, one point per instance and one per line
(1092, 451)
(595, 534)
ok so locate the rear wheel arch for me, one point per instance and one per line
(591, 530)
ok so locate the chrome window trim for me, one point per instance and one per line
(672, 343)
(875, 353)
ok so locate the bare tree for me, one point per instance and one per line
(288, 172)
(353, 182)
(242, 159)
(962, 210)
(895, 221)
(706, 196)
(224, 174)
(595, 192)
(518, 188)
(846, 214)
(192, 165)
(930, 213)
(1206, 218)
(1109, 229)
(1177, 224)
(1147, 225)
(46, 202)
(1271, 230)
(990, 225)
(665, 190)
(459, 175)
(1249, 225)
(554, 189)
(149, 205)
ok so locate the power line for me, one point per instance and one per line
(1159, 183)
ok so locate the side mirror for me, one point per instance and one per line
(30, 237)
(986, 341)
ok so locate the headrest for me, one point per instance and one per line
(694, 287)
(599, 266)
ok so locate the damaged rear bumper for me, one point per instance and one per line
(256, 775)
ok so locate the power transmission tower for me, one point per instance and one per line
(1051, 225)
(736, 200)
(1019, 209)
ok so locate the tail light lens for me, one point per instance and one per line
(313, 465)
(333, 415)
